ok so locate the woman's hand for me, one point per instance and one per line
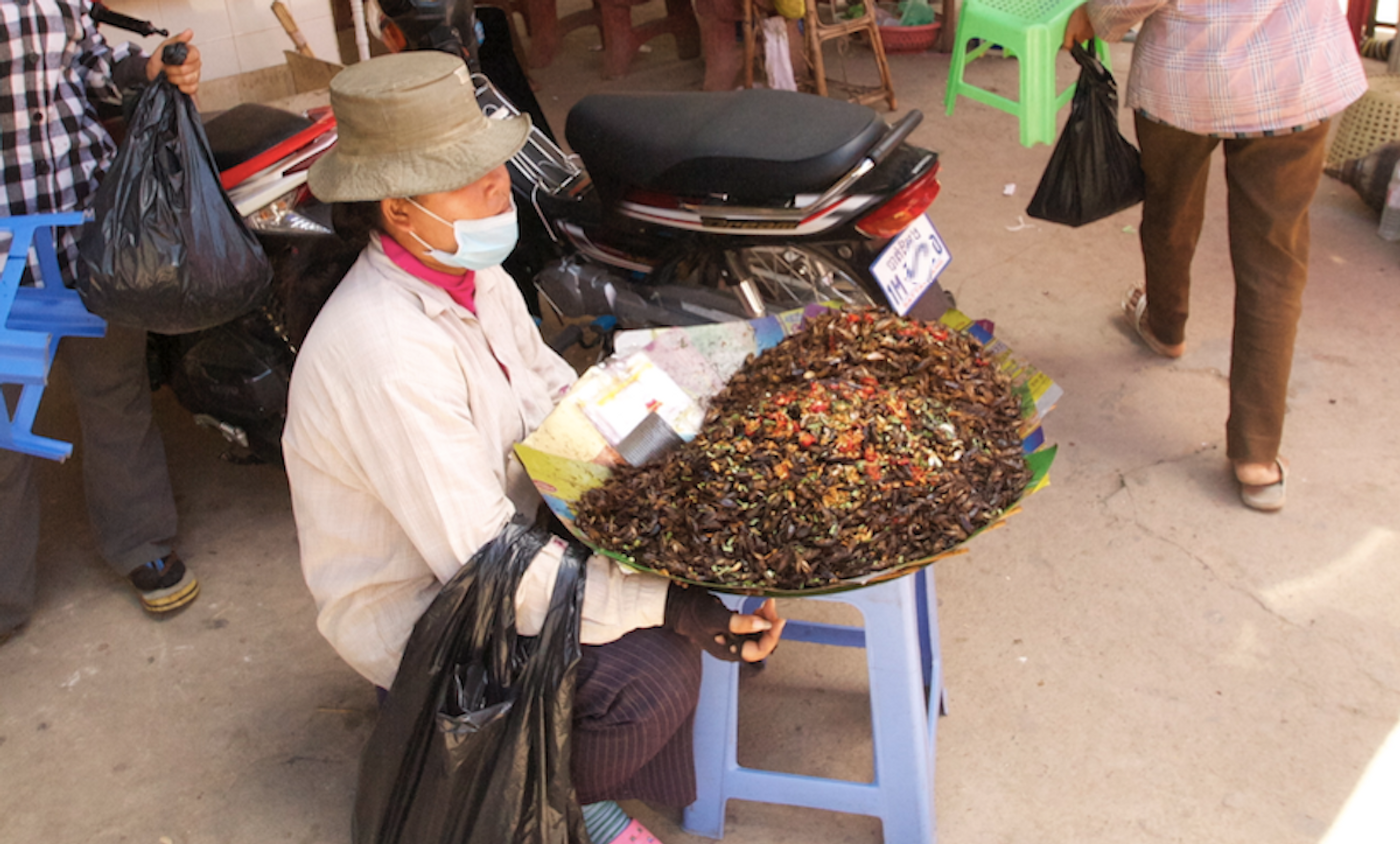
(765, 621)
(705, 620)
(183, 76)
(1080, 28)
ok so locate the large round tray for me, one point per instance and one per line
(552, 456)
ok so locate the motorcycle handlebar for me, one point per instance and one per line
(896, 136)
(102, 14)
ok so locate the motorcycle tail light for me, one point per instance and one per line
(394, 38)
(280, 216)
(895, 216)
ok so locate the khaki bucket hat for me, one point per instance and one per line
(408, 124)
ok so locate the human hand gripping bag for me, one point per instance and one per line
(1094, 171)
(166, 251)
(472, 745)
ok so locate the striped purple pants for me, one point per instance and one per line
(634, 709)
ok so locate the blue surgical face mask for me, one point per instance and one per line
(480, 243)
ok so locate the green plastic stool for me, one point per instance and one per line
(1031, 31)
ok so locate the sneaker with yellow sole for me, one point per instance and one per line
(165, 585)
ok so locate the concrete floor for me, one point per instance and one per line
(1135, 658)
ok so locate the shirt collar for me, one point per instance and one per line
(460, 287)
(435, 300)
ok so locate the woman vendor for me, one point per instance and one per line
(417, 378)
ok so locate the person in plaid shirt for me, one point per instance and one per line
(54, 64)
(1262, 79)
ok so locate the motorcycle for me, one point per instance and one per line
(674, 209)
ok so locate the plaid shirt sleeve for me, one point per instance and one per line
(53, 60)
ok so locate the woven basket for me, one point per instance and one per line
(1368, 123)
(909, 39)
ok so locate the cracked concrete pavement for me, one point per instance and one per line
(1134, 658)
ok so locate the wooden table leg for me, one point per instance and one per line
(949, 16)
(543, 22)
(1358, 14)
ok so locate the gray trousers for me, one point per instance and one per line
(129, 500)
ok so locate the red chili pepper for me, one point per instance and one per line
(806, 439)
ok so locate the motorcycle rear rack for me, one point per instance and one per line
(541, 161)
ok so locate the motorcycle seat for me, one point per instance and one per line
(748, 144)
(248, 129)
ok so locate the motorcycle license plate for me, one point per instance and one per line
(911, 264)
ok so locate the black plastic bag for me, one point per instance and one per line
(472, 745)
(167, 251)
(1094, 171)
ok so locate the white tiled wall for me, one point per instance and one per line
(233, 36)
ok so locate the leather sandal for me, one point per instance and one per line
(1266, 497)
(1135, 312)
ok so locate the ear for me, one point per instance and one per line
(497, 183)
(394, 212)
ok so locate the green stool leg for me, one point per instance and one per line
(955, 70)
(1039, 98)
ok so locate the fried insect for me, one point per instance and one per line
(861, 443)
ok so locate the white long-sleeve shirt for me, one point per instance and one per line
(403, 414)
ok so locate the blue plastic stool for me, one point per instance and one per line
(900, 638)
(32, 320)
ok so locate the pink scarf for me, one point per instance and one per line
(462, 288)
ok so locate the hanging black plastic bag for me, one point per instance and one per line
(1094, 171)
(472, 745)
(167, 251)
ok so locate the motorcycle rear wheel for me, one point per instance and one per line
(787, 276)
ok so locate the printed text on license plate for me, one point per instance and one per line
(910, 264)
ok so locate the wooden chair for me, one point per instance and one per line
(820, 31)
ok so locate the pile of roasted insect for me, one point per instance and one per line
(860, 443)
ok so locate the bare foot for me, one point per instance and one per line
(1257, 474)
(1262, 484)
(1135, 312)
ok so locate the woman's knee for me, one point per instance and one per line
(650, 674)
